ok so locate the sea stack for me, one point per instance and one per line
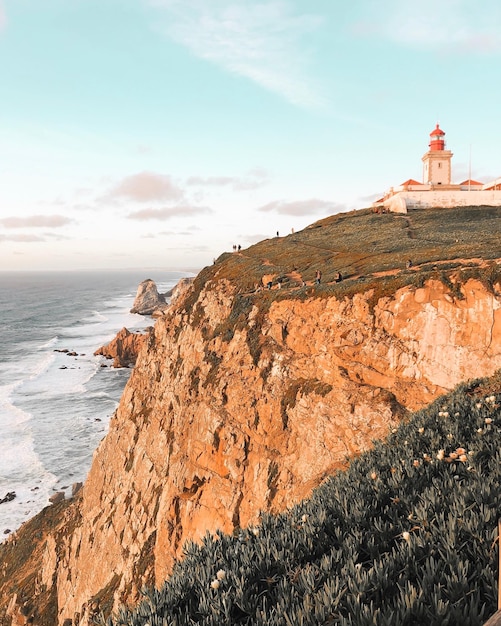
(148, 301)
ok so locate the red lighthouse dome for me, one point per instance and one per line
(437, 141)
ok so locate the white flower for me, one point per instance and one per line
(215, 584)
(478, 405)
(488, 420)
(255, 531)
(221, 574)
(406, 536)
(304, 518)
(480, 431)
(463, 458)
(421, 430)
(440, 455)
(450, 436)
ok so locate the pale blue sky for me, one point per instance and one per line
(158, 133)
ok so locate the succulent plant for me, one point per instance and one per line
(406, 535)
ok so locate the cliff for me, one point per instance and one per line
(244, 399)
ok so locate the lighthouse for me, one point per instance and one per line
(436, 191)
(437, 161)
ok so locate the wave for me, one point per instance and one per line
(10, 413)
(41, 366)
(49, 344)
(95, 317)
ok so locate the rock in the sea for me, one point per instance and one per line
(123, 349)
(148, 300)
(8, 497)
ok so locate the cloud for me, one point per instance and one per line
(143, 148)
(166, 233)
(21, 238)
(450, 25)
(211, 181)
(254, 180)
(168, 213)
(255, 238)
(146, 187)
(261, 41)
(302, 207)
(372, 197)
(36, 221)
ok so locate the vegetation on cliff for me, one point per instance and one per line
(362, 244)
(407, 535)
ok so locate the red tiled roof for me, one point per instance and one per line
(470, 181)
(411, 181)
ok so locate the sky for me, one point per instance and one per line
(160, 133)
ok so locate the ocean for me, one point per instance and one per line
(55, 408)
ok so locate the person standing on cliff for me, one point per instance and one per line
(318, 277)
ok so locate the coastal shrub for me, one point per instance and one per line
(406, 535)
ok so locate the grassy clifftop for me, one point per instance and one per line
(362, 245)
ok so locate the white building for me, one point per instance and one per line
(436, 190)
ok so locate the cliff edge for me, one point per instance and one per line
(255, 385)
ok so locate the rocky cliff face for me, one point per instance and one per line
(237, 406)
(123, 348)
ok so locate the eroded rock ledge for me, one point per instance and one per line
(124, 348)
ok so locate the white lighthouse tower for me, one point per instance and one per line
(437, 161)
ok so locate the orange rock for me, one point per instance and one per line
(124, 348)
